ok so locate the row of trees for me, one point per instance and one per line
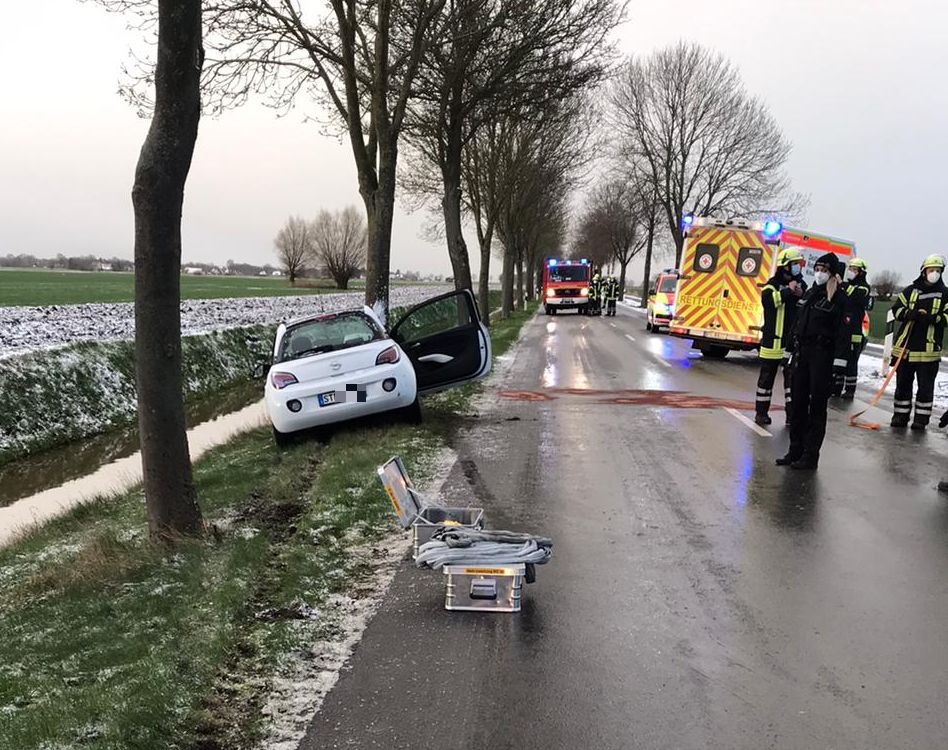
(332, 242)
(685, 137)
(70, 263)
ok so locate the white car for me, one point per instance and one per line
(344, 365)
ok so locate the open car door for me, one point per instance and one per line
(446, 341)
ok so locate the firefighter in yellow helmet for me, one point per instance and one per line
(921, 309)
(858, 301)
(595, 295)
(779, 298)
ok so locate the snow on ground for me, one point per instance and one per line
(25, 328)
(871, 379)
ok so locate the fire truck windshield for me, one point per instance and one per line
(569, 273)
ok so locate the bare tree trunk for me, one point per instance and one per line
(451, 206)
(650, 242)
(623, 267)
(158, 197)
(483, 280)
(508, 282)
(380, 213)
(519, 302)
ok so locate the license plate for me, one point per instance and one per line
(327, 399)
(568, 302)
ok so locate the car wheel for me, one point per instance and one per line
(282, 439)
(411, 413)
(715, 352)
(549, 310)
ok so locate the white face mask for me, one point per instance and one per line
(933, 276)
(821, 277)
(850, 274)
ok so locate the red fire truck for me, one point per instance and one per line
(566, 285)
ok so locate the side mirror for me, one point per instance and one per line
(260, 370)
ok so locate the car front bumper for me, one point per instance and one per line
(567, 301)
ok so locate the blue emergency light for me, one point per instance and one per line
(552, 262)
(772, 228)
(584, 262)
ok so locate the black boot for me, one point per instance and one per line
(806, 462)
(788, 460)
(919, 426)
(899, 420)
(762, 418)
(849, 395)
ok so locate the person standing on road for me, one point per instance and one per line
(858, 301)
(611, 294)
(819, 339)
(921, 310)
(595, 288)
(779, 298)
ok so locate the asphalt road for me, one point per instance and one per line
(699, 596)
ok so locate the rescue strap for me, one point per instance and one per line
(462, 546)
(854, 420)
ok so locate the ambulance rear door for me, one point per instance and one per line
(718, 297)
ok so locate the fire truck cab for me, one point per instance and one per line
(566, 285)
(724, 264)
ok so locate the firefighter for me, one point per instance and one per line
(818, 339)
(595, 290)
(858, 301)
(921, 310)
(779, 298)
(611, 294)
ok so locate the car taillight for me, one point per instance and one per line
(388, 357)
(282, 379)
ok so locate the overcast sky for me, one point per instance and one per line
(858, 86)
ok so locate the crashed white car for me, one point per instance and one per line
(344, 365)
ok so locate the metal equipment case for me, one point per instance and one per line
(484, 588)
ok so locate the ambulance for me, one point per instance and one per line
(724, 264)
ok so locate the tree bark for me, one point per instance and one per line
(508, 283)
(451, 207)
(519, 301)
(623, 267)
(649, 243)
(380, 212)
(157, 198)
(483, 280)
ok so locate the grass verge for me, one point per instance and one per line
(111, 642)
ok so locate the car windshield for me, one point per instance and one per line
(668, 284)
(569, 273)
(328, 333)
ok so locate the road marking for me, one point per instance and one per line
(630, 338)
(750, 423)
(661, 361)
(613, 325)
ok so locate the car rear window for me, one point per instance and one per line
(328, 333)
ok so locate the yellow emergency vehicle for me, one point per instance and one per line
(660, 306)
(724, 264)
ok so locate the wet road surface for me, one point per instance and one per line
(699, 596)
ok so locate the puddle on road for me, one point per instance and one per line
(120, 474)
(32, 474)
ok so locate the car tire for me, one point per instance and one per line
(715, 352)
(549, 310)
(282, 439)
(411, 413)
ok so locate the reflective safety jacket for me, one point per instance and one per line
(595, 286)
(611, 289)
(858, 300)
(923, 342)
(780, 309)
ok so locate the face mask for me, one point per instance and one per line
(850, 275)
(933, 276)
(796, 270)
(821, 277)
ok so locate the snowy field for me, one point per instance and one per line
(23, 329)
(871, 379)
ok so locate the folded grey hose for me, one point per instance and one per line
(461, 536)
(435, 554)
